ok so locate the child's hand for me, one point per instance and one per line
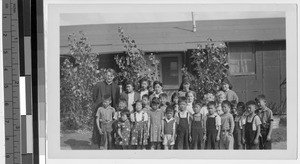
(218, 138)
(204, 138)
(268, 138)
(255, 141)
(101, 131)
(243, 140)
(190, 138)
(172, 139)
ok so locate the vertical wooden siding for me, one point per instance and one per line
(270, 71)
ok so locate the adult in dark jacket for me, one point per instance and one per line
(107, 87)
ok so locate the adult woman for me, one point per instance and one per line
(184, 88)
(158, 89)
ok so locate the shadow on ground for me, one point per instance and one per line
(78, 144)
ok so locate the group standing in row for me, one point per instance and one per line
(149, 120)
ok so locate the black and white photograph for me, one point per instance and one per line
(173, 81)
(198, 78)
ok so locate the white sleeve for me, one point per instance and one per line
(218, 121)
(145, 116)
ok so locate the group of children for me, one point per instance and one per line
(152, 122)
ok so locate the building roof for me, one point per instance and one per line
(176, 36)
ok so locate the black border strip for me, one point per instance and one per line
(34, 66)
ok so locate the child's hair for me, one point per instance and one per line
(163, 95)
(226, 102)
(169, 109)
(251, 102)
(233, 103)
(198, 104)
(211, 103)
(144, 79)
(155, 101)
(145, 96)
(125, 112)
(175, 94)
(182, 99)
(122, 100)
(220, 93)
(129, 83)
(206, 96)
(184, 82)
(137, 101)
(110, 70)
(192, 92)
(157, 82)
(242, 105)
(106, 98)
(260, 97)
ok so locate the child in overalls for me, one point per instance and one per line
(266, 117)
(183, 125)
(239, 123)
(252, 127)
(212, 127)
(197, 129)
(139, 132)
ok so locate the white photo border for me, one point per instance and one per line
(52, 11)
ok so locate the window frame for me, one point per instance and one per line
(253, 52)
(179, 57)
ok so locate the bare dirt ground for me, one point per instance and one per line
(81, 140)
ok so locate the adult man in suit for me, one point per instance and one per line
(107, 87)
(130, 95)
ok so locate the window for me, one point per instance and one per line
(170, 70)
(241, 60)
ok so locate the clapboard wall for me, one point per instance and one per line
(270, 62)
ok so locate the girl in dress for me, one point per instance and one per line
(155, 124)
(139, 132)
(123, 130)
